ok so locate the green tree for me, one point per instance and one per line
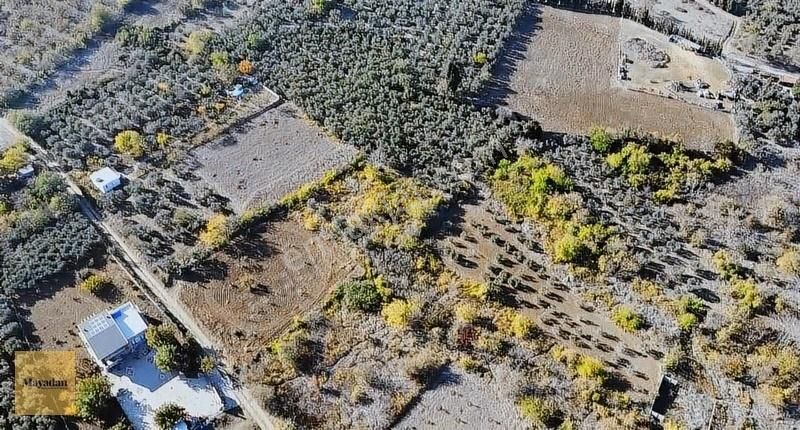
(361, 295)
(92, 397)
(600, 139)
(169, 414)
(158, 336)
(166, 358)
(45, 186)
(25, 122)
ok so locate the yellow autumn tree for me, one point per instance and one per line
(215, 234)
(246, 67)
(13, 158)
(129, 142)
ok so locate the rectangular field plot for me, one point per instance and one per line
(270, 156)
(567, 81)
(251, 297)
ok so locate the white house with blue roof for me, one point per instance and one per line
(111, 334)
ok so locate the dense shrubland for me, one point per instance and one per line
(532, 188)
(774, 26)
(396, 95)
(661, 165)
(766, 110)
(43, 232)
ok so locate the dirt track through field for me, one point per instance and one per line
(566, 80)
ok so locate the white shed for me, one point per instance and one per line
(106, 179)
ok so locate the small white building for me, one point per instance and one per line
(26, 172)
(110, 335)
(106, 179)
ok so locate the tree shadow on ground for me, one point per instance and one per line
(513, 53)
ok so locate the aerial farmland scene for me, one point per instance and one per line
(408, 214)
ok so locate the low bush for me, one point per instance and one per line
(724, 265)
(466, 312)
(789, 262)
(539, 411)
(590, 368)
(398, 313)
(94, 284)
(474, 289)
(627, 319)
(687, 321)
(424, 367)
(747, 295)
(512, 323)
(216, 233)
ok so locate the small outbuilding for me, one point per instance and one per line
(26, 172)
(106, 179)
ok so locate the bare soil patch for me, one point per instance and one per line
(567, 81)
(684, 67)
(461, 400)
(270, 156)
(55, 309)
(250, 298)
(559, 312)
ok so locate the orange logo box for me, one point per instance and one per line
(44, 382)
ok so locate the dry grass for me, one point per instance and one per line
(566, 81)
(280, 274)
(271, 156)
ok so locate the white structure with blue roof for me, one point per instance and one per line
(110, 335)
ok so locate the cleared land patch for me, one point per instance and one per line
(282, 272)
(567, 82)
(699, 17)
(556, 310)
(276, 153)
(681, 67)
(464, 400)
